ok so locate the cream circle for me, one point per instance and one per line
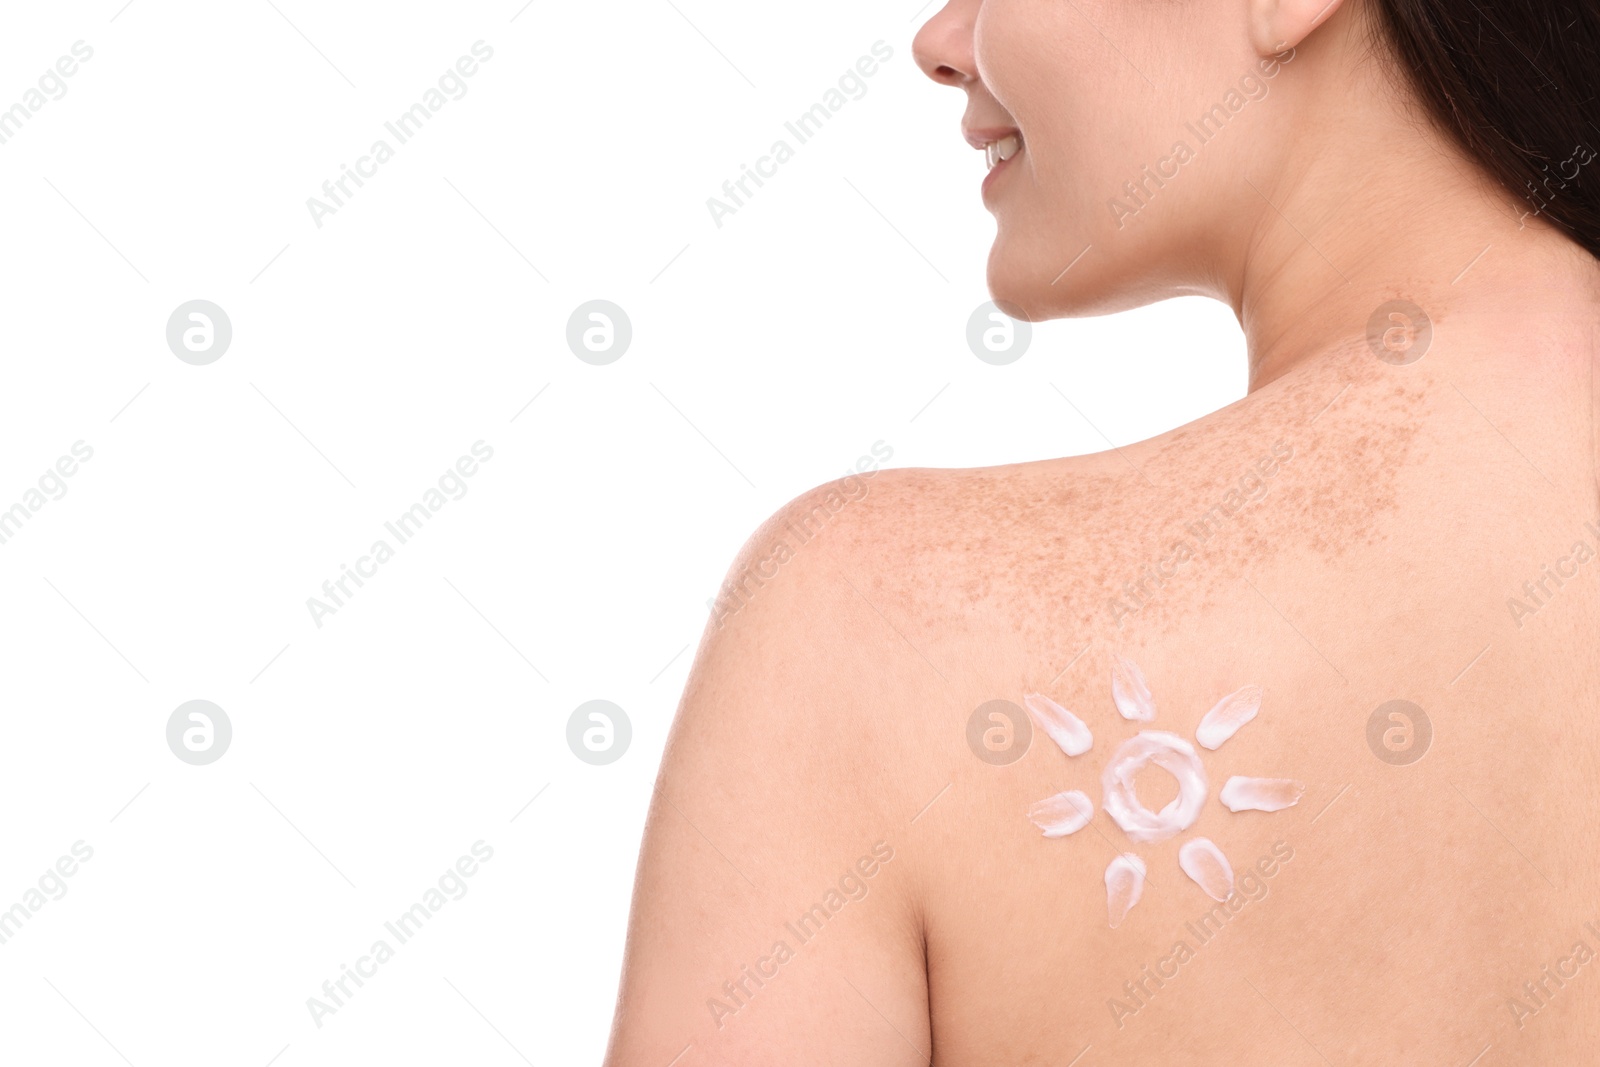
(1174, 755)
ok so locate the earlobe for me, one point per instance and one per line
(1276, 25)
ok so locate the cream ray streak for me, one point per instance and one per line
(1203, 861)
(1130, 691)
(1063, 814)
(1064, 728)
(1124, 886)
(1261, 794)
(1229, 714)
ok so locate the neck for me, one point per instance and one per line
(1332, 241)
(1478, 276)
(1512, 302)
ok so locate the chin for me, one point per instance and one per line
(1026, 281)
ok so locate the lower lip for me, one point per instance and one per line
(994, 173)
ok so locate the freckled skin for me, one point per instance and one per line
(828, 712)
(1116, 520)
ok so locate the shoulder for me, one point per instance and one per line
(854, 617)
(934, 554)
(891, 517)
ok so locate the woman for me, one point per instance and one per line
(1271, 740)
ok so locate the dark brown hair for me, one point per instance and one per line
(1515, 83)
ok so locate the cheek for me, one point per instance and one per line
(1087, 116)
(1070, 76)
(1053, 69)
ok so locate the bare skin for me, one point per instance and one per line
(1358, 531)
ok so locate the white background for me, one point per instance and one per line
(370, 753)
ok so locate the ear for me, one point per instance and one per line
(1277, 25)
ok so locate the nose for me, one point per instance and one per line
(943, 47)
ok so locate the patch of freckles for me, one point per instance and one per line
(1332, 498)
(977, 589)
(1325, 521)
(1049, 543)
(949, 540)
(1354, 479)
(922, 540)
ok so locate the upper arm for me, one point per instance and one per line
(774, 918)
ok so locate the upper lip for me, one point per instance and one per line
(981, 137)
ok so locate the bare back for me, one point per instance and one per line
(1426, 647)
(1406, 560)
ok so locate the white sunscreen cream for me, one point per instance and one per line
(1231, 712)
(1063, 814)
(1173, 754)
(1200, 859)
(1064, 728)
(1261, 794)
(1130, 691)
(1124, 885)
(1205, 863)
